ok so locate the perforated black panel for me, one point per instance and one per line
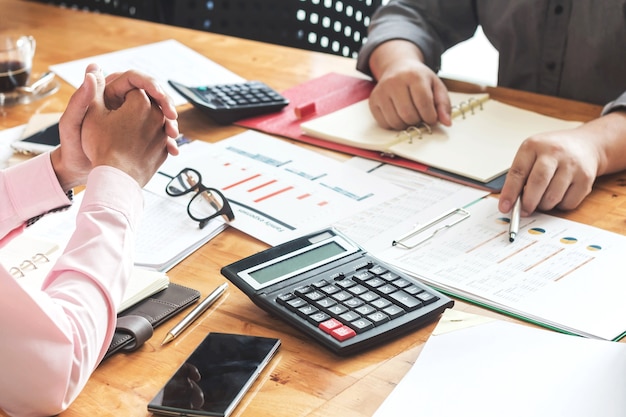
(334, 26)
(139, 9)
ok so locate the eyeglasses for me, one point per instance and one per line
(206, 204)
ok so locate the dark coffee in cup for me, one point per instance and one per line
(16, 61)
(12, 74)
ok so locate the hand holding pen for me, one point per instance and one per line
(516, 213)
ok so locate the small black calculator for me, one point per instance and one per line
(325, 285)
(227, 103)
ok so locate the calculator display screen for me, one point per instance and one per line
(297, 262)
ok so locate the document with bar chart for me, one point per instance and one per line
(278, 191)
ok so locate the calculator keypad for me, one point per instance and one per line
(253, 93)
(351, 304)
(228, 103)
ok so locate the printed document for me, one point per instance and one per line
(278, 191)
(558, 273)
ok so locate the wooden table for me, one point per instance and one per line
(304, 379)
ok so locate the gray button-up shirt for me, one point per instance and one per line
(574, 49)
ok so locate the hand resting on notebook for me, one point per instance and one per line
(553, 169)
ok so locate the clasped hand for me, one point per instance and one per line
(124, 120)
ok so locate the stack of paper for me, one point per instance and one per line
(167, 234)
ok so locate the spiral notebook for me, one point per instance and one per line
(480, 145)
(29, 259)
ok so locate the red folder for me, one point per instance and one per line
(326, 94)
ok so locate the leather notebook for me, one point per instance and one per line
(135, 324)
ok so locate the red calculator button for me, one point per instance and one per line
(342, 333)
(329, 325)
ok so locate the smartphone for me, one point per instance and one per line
(216, 376)
(41, 141)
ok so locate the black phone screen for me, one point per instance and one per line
(48, 136)
(215, 377)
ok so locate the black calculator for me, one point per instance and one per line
(227, 103)
(325, 285)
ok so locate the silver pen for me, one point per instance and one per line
(515, 218)
(195, 313)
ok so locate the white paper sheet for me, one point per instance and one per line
(497, 368)
(162, 60)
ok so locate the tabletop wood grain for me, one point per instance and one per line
(304, 379)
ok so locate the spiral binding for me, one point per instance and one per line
(410, 133)
(28, 264)
(466, 106)
(418, 131)
(414, 132)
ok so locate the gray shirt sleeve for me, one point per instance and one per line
(565, 48)
(423, 23)
(618, 104)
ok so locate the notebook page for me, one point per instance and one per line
(481, 145)
(354, 125)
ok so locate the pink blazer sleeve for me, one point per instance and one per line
(53, 339)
